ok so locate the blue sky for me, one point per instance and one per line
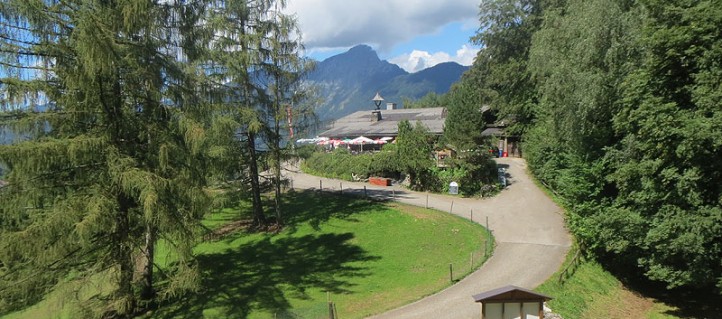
(414, 34)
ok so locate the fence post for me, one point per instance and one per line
(320, 185)
(340, 185)
(488, 237)
(365, 194)
(472, 215)
(330, 306)
(451, 273)
(451, 210)
(427, 200)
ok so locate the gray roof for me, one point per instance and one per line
(362, 123)
(510, 293)
(491, 131)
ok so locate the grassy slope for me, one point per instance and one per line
(592, 292)
(370, 257)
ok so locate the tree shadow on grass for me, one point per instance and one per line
(264, 274)
(316, 208)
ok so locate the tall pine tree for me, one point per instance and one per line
(114, 161)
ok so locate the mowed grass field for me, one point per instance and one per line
(366, 257)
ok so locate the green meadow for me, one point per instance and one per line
(363, 256)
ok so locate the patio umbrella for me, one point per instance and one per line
(362, 140)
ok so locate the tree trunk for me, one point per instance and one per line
(124, 259)
(259, 218)
(277, 199)
(277, 168)
(147, 291)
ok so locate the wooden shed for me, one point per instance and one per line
(511, 302)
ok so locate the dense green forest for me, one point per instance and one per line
(619, 106)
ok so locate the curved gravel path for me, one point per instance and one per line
(531, 239)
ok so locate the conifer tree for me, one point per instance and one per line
(115, 160)
(233, 57)
(256, 65)
(283, 70)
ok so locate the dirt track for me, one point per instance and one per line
(531, 240)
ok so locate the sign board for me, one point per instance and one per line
(453, 188)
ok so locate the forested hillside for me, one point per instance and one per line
(619, 105)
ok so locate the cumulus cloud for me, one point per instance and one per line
(380, 23)
(418, 60)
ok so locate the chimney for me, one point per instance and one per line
(390, 106)
(376, 116)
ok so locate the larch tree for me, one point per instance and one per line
(282, 71)
(232, 60)
(115, 159)
(255, 64)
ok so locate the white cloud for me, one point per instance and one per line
(419, 60)
(380, 23)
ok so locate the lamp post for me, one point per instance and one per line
(378, 100)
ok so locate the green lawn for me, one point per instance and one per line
(366, 256)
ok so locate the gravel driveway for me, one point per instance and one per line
(531, 239)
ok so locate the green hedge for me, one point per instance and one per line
(474, 171)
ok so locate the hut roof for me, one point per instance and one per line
(510, 293)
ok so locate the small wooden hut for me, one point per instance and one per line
(511, 302)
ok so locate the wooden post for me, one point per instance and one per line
(393, 193)
(471, 213)
(488, 237)
(471, 261)
(320, 185)
(451, 210)
(451, 273)
(365, 194)
(330, 305)
(427, 200)
(340, 186)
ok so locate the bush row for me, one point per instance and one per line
(475, 172)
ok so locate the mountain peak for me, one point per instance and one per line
(362, 48)
(361, 53)
(349, 80)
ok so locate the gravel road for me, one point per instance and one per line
(531, 239)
